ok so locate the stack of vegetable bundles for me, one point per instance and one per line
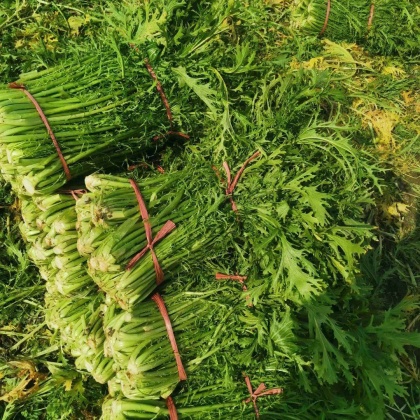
(227, 283)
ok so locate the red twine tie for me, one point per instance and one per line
(157, 298)
(259, 392)
(74, 193)
(160, 90)
(168, 227)
(327, 16)
(146, 166)
(173, 415)
(238, 278)
(163, 97)
(44, 119)
(231, 185)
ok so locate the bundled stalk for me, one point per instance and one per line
(125, 409)
(394, 28)
(97, 115)
(119, 231)
(49, 227)
(111, 201)
(140, 343)
(79, 322)
(384, 26)
(218, 391)
(336, 20)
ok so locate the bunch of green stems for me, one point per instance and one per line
(112, 231)
(343, 20)
(202, 315)
(99, 115)
(78, 319)
(49, 227)
(216, 392)
(387, 27)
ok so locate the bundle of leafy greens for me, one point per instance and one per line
(114, 233)
(49, 227)
(78, 321)
(386, 27)
(323, 324)
(206, 318)
(93, 111)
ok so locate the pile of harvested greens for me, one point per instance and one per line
(221, 206)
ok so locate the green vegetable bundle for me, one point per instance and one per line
(384, 26)
(49, 227)
(206, 322)
(98, 117)
(395, 28)
(78, 320)
(337, 20)
(190, 199)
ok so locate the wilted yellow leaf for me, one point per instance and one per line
(19, 43)
(393, 71)
(383, 123)
(408, 99)
(75, 23)
(67, 384)
(397, 209)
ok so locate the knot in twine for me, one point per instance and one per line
(231, 185)
(238, 278)
(167, 228)
(259, 392)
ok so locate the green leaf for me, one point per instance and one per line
(281, 332)
(298, 272)
(203, 91)
(316, 201)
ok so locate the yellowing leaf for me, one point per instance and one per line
(408, 99)
(383, 123)
(397, 209)
(67, 384)
(19, 43)
(395, 72)
(75, 23)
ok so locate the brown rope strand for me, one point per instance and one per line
(327, 16)
(47, 125)
(160, 90)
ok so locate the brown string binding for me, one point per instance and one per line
(372, 11)
(173, 415)
(327, 16)
(171, 133)
(259, 392)
(231, 185)
(76, 194)
(238, 278)
(157, 298)
(168, 227)
(163, 97)
(160, 90)
(44, 119)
